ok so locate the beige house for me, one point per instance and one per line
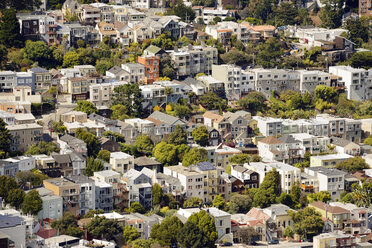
(279, 213)
(121, 162)
(74, 116)
(24, 136)
(329, 160)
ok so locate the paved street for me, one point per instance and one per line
(282, 244)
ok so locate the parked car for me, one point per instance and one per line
(227, 244)
(273, 242)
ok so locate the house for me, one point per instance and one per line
(151, 64)
(136, 72)
(74, 116)
(353, 130)
(154, 51)
(69, 191)
(118, 192)
(249, 178)
(329, 160)
(70, 144)
(24, 136)
(146, 162)
(345, 146)
(289, 175)
(140, 186)
(165, 124)
(334, 239)
(142, 223)
(109, 144)
(279, 213)
(43, 78)
(223, 153)
(104, 195)
(169, 184)
(331, 180)
(121, 162)
(262, 223)
(14, 228)
(87, 197)
(268, 126)
(192, 181)
(337, 215)
(52, 205)
(101, 94)
(222, 221)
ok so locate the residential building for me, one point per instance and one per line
(249, 178)
(43, 78)
(357, 81)
(151, 64)
(268, 126)
(262, 223)
(119, 192)
(337, 215)
(8, 79)
(365, 8)
(331, 180)
(344, 146)
(69, 144)
(211, 178)
(87, 197)
(223, 153)
(353, 130)
(192, 182)
(192, 60)
(149, 163)
(142, 223)
(279, 213)
(104, 195)
(101, 94)
(15, 228)
(136, 72)
(335, 239)
(52, 205)
(336, 125)
(139, 185)
(121, 162)
(24, 136)
(329, 160)
(74, 116)
(69, 191)
(310, 79)
(21, 163)
(169, 184)
(289, 175)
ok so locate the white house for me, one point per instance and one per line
(121, 162)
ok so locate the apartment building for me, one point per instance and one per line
(136, 72)
(192, 182)
(78, 87)
(219, 30)
(365, 7)
(268, 126)
(280, 215)
(237, 81)
(87, 191)
(336, 125)
(357, 81)
(118, 189)
(210, 179)
(151, 64)
(310, 79)
(289, 175)
(69, 144)
(191, 60)
(139, 184)
(336, 239)
(104, 195)
(101, 94)
(69, 191)
(331, 180)
(222, 155)
(336, 214)
(329, 160)
(52, 205)
(8, 80)
(24, 136)
(121, 162)
(43, 78)
(154, 94)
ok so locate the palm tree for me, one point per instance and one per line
(168, 91)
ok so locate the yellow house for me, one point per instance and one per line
(336, 214)
(324, 240)
(210, 180)
(329, 160)
(279, 213)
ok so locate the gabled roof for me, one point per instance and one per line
(71, 140)
(215, 117)
(329, 208)
(340, 141)
(270, 140)
(165, 118)
(288, 139)
(38, 70)
(145, 161)
(62, 158)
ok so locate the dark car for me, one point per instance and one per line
(227, 244)
(273, 242)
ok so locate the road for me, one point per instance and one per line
(282, 244)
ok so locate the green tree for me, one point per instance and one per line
(166, 154)
(141, 243)
(344, 107)
(59, 127)
(307, 221)
(9, 29)
(237, 57)
(5, 139)
(253, 102)
(117, 136)
(38, 51)
(129, 95)
(130, 234)
(71, 59)
(157, 194)
(15, 198)
(86, 107)
(331, 13)
(190, 236)
(102, 228)
(187, 14)
(241, 158)
(6, 185)
(168, 91)
(93, 165)
(285, 14)
(182, 111)
(358, 30)
(104, 155)
(219, 202)
(268, 190)
(269, 52)
(34, 178)
(201, 135)
(362, 195)
(352, 165)
(32, 203)
(361, 60)
(178, 136)
(43, 147)
(288, 232)
(91, 213)
(323, 196)
(206, 224)
(136, 207)
(166, 232)
(326, 93)
(144, 144)
(240, 203)
(368, 141)
(68, 225)
(90, 139)
(194, 156)
(212, 101)
(119, 112)
(193, 202)
(246, 235)
(285, 199)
